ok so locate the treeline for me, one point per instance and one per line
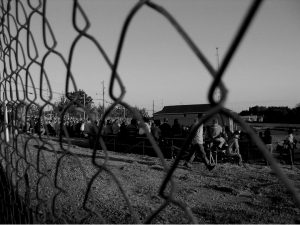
(275, 114)
(81, 100)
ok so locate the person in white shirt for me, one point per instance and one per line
(197, 147)
(142, 130)
(291, 143)
(233, 148)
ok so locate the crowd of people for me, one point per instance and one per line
(78, 127)
(155, 127)
(207, 137)
(52, 126)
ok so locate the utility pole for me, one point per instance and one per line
(153, 108)
(218, 62)
(218, 94)
(84, 105)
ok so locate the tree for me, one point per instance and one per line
(258, 110)
(275, 114)
(142, 111)
(81, 100)
(118, 111)
(295, 114)
(100, 109)
(245, 113)
(61, 104)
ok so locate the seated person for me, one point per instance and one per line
(216, 133)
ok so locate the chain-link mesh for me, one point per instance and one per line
(35, 171)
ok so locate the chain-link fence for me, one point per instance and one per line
(35, 171)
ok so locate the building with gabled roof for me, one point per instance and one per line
(186, 115)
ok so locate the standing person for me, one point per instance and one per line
(155, 130)
(176, 129)
(268, 140)
(82, 127)
(108, 128)
(291, 141)
(77, 128)
(115, 127)
(165, 129)
(87, 127)
(166, 132)
(123, 131)
(227, 133)
(92, 131)
(142, 131)
(233, 148)
(197, 146)
(132, 130)
(291, 144)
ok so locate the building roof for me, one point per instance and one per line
(179, 109)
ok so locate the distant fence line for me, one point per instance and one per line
(30, 190)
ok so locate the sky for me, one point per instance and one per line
(157, 66)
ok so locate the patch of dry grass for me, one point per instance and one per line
(228, 194)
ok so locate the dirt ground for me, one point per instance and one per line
(228, 194)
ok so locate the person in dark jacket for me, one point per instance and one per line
(165, 128)
(176, 129)
(132, 130)
(267, 138)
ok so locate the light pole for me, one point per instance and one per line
(84, 106)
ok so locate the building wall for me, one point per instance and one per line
(253, 118)
(188, 119)
(185, 120)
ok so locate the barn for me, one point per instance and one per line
(186, 114)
